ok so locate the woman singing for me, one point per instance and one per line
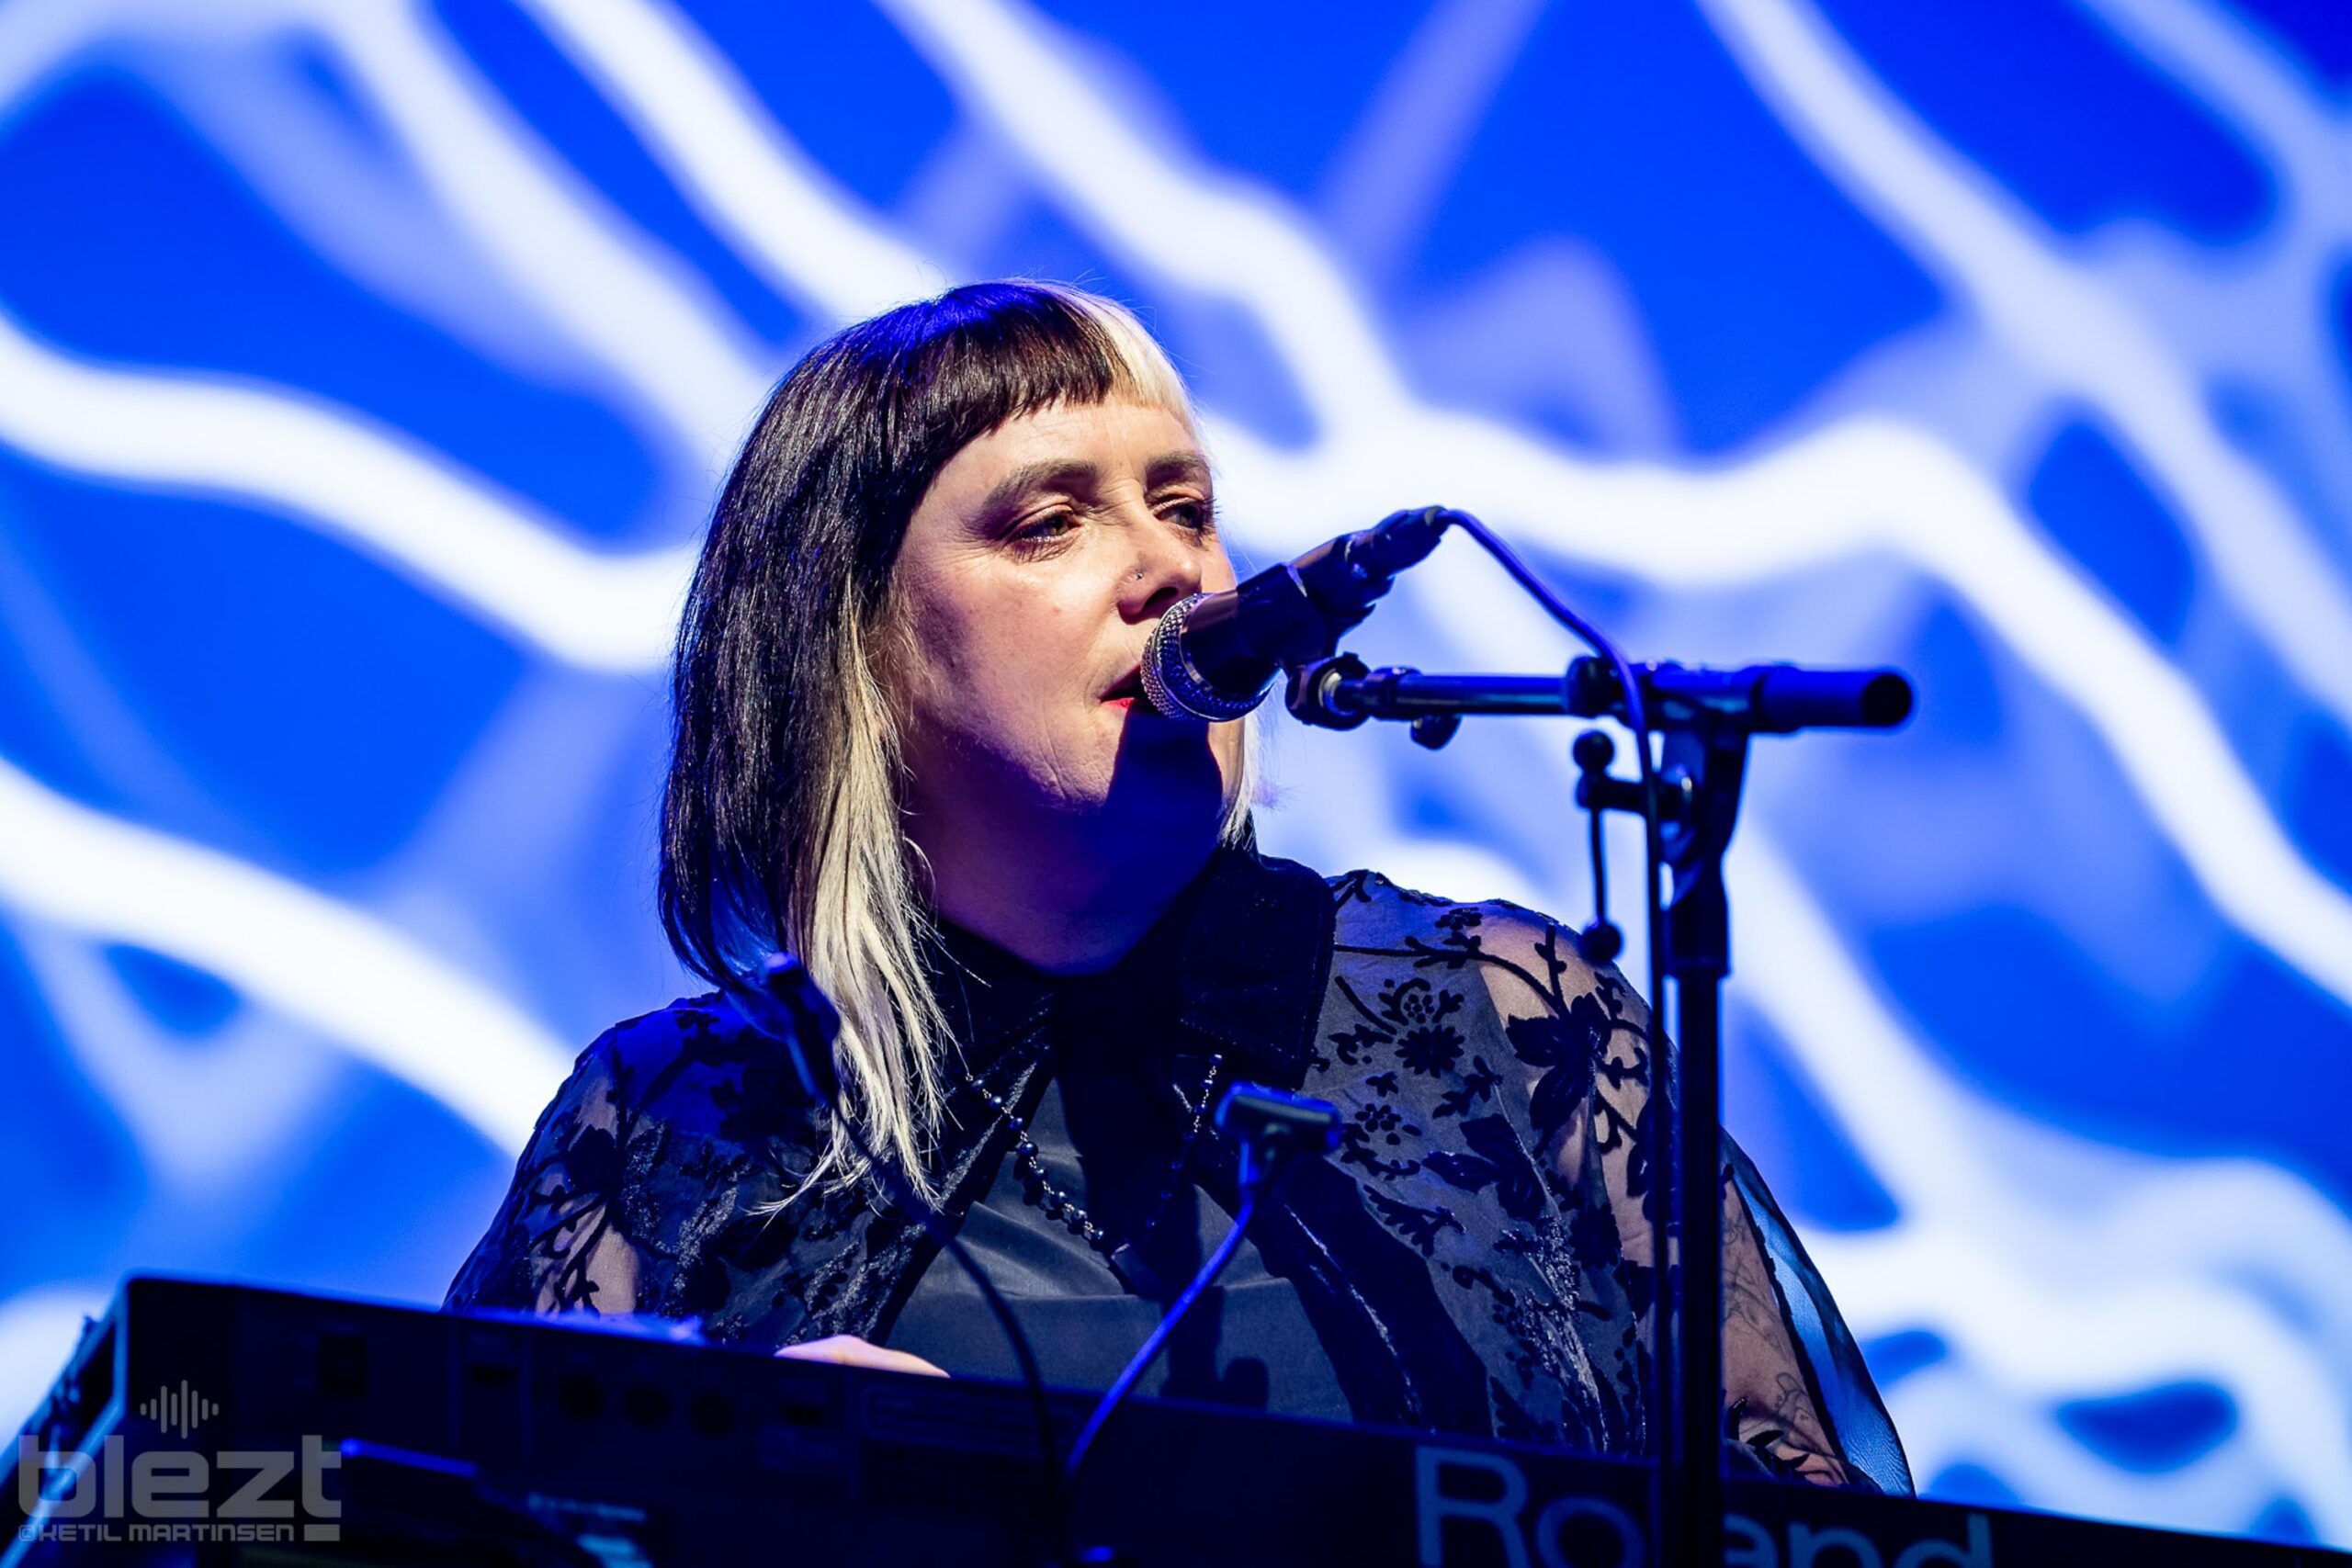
(911, 747)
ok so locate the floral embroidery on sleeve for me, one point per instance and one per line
(1565, 1148)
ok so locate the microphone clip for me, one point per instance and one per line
(781, 1000)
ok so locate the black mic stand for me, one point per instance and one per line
(1707, 718)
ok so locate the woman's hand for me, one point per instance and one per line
(849, 1350)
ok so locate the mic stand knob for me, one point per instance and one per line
(1435, 729)
(1312, 686)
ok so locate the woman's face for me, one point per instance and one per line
(1032, 572)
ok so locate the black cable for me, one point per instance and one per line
(1274, 1128)
(1637, 720)
(1142, 1361)
(824, 1085)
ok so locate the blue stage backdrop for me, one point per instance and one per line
(365, 371)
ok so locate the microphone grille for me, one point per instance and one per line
(1171, 683)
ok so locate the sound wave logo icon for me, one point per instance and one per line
(179, 1411)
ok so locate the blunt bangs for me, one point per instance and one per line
(950, 370)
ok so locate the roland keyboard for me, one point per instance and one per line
(216, 1423)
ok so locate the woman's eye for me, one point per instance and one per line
(1044, 530)
(1200, 516)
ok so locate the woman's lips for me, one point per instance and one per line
(1134, 703)
(1127, 692)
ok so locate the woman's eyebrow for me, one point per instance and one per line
(1171, 467)
(1046, 473)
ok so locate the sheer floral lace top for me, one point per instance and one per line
(1475, 1258)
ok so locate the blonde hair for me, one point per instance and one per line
(782, 817)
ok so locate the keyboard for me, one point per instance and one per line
(215, 1423)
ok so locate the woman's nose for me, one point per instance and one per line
(1166, 567)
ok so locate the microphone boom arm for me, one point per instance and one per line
(1339, 692)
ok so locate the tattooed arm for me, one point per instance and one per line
(1768, 1406)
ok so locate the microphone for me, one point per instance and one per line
(1212, 655)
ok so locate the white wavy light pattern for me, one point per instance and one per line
(331, 470)
(310, 957)
(2077, 334)
(2040, 1303)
